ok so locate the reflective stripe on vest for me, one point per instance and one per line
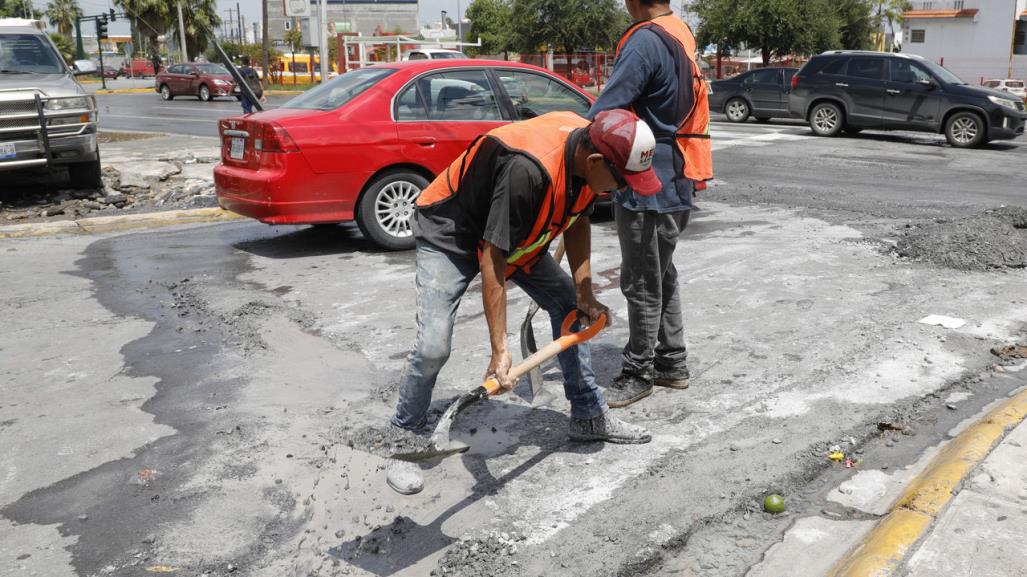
(693, 133)
(544, 140)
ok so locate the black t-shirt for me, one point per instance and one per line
(252, 80)
(498, 201)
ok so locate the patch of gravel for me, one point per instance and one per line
(383, 441)
(493, 555)
(994, 239)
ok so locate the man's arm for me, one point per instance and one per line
(630, 76)
(578, 242)
(493, 291)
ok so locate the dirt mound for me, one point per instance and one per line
(493, 555)
(384, 441)
(993, 239)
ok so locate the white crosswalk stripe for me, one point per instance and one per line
(755, 135)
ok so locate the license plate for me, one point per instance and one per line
(7, 151)
(238, 148)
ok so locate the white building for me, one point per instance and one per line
(974, 38)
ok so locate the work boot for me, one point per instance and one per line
(674, 378)
(608, 428)
(626, 389)
(404, 477)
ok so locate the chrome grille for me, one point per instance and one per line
(17, 107)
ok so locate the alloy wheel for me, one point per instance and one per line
(165, 92)
(736, 110)
(204, 93)
(825, 119)
(394, 207)
(964, 130)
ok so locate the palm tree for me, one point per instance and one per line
(888, 13)
(62, 14)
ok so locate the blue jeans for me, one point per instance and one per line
(442, 279)
(247, 106)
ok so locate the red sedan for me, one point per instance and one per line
(205, 81)
(362, 146)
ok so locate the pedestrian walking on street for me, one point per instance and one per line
(657, 76)
(496, 210)
(253, 81)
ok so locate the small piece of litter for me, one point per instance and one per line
(943, 321)
(836, 456)
(951, 407)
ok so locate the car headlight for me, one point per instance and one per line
(1003, 102)
(69, 103)
(221, 82)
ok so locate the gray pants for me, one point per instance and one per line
(649, 282)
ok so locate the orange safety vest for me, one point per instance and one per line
(693, 134)
(543, 139)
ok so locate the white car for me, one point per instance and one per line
(1008, 85)
(433, 54)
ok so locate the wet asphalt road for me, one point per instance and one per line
(224, 358)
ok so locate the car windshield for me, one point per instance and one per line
(211, 69)
(27, 54)
(943, 73)
(339, 91)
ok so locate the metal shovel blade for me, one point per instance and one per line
(441, 445)
(528, 348)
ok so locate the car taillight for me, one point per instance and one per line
(795, 82)
(273, 138)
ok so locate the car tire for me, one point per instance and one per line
(737, 110)
(386, 210)
(826, 119)
(205, 94)
(86, 175)
(165, 92)
(965, 130)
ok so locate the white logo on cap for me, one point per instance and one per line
(642, 149)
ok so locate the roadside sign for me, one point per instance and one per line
(297, 8)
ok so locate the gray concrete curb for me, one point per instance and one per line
(101, 224)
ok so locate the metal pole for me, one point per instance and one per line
(322, 38)
(1012, 42)
(80, 52)
(265, 44)
(238, 14)
(459, 23)
(181, 33)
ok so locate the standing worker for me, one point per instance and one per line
(495, 211)
(252, 79)
(656, 76)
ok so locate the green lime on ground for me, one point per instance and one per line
(774, 504)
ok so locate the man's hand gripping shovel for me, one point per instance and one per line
(442, 446)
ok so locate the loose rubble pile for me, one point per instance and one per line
(493, 555)
(383, 441)
(176, 180)
(993, 239)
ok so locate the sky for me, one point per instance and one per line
(430, 10)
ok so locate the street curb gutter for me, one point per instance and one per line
(882, 552)
(117, 223)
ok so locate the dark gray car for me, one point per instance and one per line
(853, 90)
(762, 94)
(47, 120)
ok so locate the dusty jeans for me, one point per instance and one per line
(649, 282)
(442, 279)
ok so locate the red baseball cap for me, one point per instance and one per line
(629, 144)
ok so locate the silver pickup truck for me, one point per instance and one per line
(47, 120)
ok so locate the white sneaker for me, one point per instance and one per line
(404, 477)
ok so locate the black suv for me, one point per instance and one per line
(849, 90)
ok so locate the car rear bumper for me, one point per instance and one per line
(281, 196)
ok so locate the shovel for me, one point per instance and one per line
(528, 346)
(442, 446)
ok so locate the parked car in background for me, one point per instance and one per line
(434, 54)
(1015, 87)
(854, 90)
(762, 94)
(362, 146)
(47, 120)
(138, 67)
(204, 80)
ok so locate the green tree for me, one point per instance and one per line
(887, 13)
(64, 45)
(152, 18)
(62, 14)
(774, 27)
(857, 24)
(490, 21)
(565, 25)
(294, 37)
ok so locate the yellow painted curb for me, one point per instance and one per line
(882, 552)
(100, 224)
(125, 91)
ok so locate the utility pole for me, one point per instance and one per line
(459, 23)
(265, 43)
(80, 52)
(1012, 41)
(181, 33)
(322, 37)
(230, 24)
(238, 14)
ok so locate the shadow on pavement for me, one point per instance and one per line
(309, 241)
(404, 543)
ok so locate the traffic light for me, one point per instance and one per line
(101, 28)
(114, 16)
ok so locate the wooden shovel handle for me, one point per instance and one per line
(567, 340)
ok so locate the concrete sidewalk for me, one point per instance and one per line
(959, 510)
